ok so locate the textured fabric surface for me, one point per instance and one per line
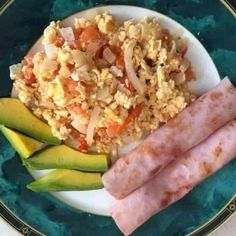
(20, 25)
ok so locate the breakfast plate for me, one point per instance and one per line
(56, 217)
(99, 201)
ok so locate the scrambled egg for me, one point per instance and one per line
(124, 100)
(88, 76)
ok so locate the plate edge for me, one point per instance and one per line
(213, 223)
(230, 5)
(228, 210)
(17, 223)
(5, 5)
(205, 229)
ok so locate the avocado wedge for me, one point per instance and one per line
(67, 180)
(15, 115)
(64, 157)
(23, 144)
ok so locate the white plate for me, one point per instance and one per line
(99, 201)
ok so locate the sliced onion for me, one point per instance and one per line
(75, 75)
(116, 71)
(179, 78)
(67, 33)
(49, 65)
(72, 142)
(16, 71)
(93, 47)
(79, 57)
(173, 49)
(128, 54)
(92, 125)
(84, 68)
(108, 55)
(124, 90)
(102, 93)
(14, 92)
(184, 65)
(51, 51)
(80, 73)
(76, 123)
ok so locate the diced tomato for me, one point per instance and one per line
(29, 76)
(88, 87)
(71, 87)
(59, 41)
(100, 51)
(116, 128)
(83, 144)
(77, 44)
(113, 129)
(123, 80)
(120, 61)
(133, 114)
(77, 136)
(77, 32)
(77, 108)
(189, 75)
(115, 49)
(89, 34)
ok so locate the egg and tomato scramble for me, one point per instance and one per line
(102, 83)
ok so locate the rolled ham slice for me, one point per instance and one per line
(193, 125)
(176, 180)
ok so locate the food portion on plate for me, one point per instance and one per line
(64, 157)
(24, 145)
(38, 155)
(176, 180)
(14, 114)
(193, 125)
(96, 86)
(67, 180)
(174, 159)
(103, 83)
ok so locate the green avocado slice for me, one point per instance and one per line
(67, 180)
(23, 144)
(15, 115)
(64, 157)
